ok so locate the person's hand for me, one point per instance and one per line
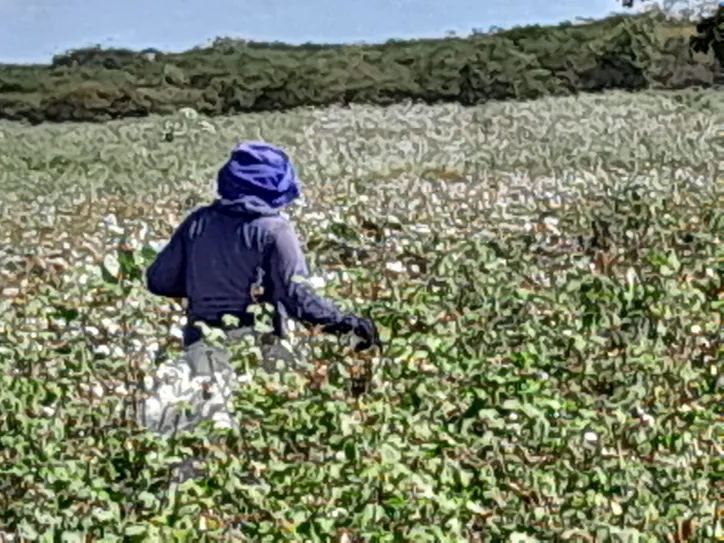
(367, 331)
(363, 328)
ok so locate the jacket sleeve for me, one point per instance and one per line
(284, 266)
(167, 274)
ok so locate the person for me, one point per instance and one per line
(221, 252)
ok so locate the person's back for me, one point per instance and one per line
(214, 260)
(225, 253)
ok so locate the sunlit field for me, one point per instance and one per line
(547, 277)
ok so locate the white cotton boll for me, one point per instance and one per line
(118, 351)
(644, 417)
(397, 267)
(552, 225)
(315, 217)
(177, 332)
(47, 411)
(133, 243)
(648, 420)
(631, 277)
(207, 127)
(317, 282)
(148, 382)
(104, 350)
(189, 113)
(95, 389)
(157, 245)
(222, 420)
(590, 437)
(98, 391)
(243, 378)
(92, 330)
(420, 229)
(110, 325)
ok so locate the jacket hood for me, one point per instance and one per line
(259, 170)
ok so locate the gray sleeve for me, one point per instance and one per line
(285, 260)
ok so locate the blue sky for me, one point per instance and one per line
(34, 30)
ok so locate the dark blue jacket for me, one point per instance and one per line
(220, 252)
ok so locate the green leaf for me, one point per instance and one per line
(133, 530)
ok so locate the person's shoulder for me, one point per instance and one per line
(278, 224)
(202, 210)
(274, 221)
(193, 216)
(199, 212)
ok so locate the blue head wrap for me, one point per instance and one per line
(260, 170)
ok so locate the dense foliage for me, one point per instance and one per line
(622, 52)
(548, 278)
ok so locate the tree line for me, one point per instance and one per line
(632, 52)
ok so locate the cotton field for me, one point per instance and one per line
(547, 277)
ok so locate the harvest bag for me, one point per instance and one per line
(203, 379)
